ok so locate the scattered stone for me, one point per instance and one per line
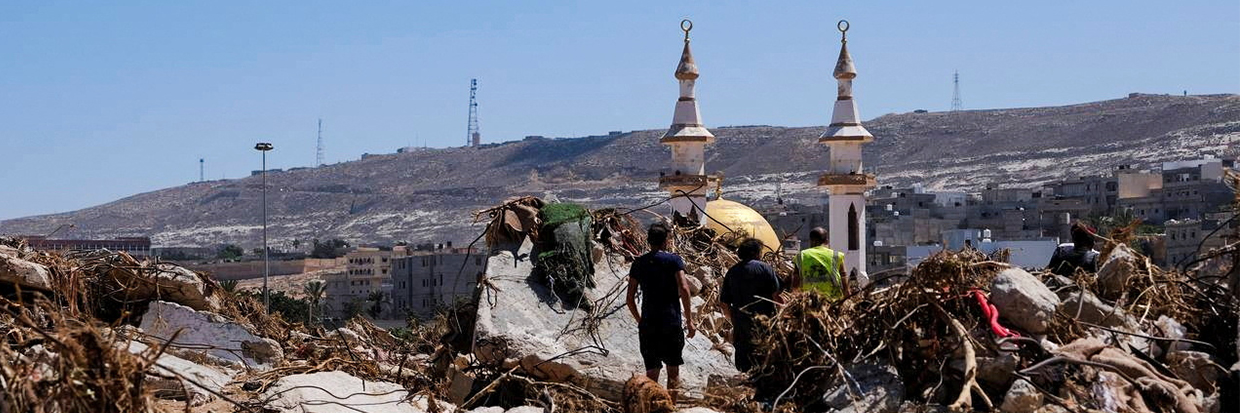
(1173, 329)
(878, 386)
(1023, 300)
(697, 410)
(695, 286)
(24, 273)
(996, 371)
(704, 274)
(526, 409)
(1195, 367)
(209, 380)
(339, 392)
(490, 409)
(460, 384)
(1092, 310)
(1022, 397)
(1115, 272)
(211, 335)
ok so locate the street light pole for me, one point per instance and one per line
(264, 147)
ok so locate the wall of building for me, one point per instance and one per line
(424, 283)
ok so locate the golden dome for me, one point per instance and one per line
(739, 218)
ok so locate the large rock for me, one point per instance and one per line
(200, 383)
(1023, 300)
(877, 389)
(1113, 275)
(1021, 398)
(211, 335)
(526, 316)
(339, 392)
(24, 273)
(168, 282)
(1092, 310)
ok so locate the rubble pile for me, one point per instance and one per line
(104, 332)
(963, 331)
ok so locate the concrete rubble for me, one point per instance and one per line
(211, 335)
(26, 274)
(339, 392)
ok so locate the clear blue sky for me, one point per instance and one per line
(100, 100)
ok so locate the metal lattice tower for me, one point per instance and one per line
(956, 103)
(472, 137)
(318, 153)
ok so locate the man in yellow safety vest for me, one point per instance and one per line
(820, 268)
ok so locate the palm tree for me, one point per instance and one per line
(229, 286)
(376, 298)
(314, 293)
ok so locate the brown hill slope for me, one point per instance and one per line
(429, 195)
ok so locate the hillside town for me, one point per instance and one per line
(1114, 292)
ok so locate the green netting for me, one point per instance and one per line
(564, 261)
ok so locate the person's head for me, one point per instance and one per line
(749, 249)
(657, 235)
(817, 236)
(1082, 236)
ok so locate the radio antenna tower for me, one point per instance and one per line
(956, 103)
(318, 153)
(472, 137)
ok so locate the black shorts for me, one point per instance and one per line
(661, 344)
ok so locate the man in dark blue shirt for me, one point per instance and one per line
(661, 278)
(749, 289)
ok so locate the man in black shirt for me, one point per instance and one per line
(661, 278)
(749, 288)
(1079, 253)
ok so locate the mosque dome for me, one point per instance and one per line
(726, 214)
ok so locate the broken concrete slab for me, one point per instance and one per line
(200, 383)
(211, 335)
(339, 392)
(1022, 397)
(532, 322)
(24, 273)
(877, 388)
(1023, 300)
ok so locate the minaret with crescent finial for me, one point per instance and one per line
(687, 182)
(844, 178)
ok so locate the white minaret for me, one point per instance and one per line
(844, 177)
(687, 182)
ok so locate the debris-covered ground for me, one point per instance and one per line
(103, 332)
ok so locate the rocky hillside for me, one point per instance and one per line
(429, 195)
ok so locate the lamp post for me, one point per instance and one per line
(264, 147)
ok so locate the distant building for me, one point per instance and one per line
(139, 247)
(367, 270)
(425, 282)
(1188, 239)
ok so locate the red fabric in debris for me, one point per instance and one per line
(992, 315)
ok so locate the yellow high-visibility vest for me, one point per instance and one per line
(820, 271)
